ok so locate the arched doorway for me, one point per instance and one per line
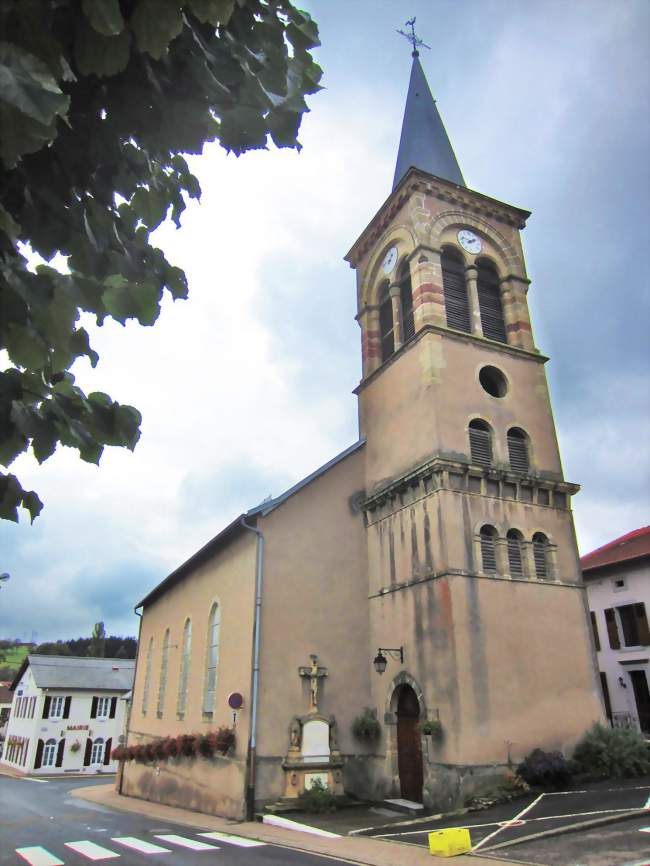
(409, 744)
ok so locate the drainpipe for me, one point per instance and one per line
(127, 720)
(252, 740)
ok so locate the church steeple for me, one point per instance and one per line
(424, 142)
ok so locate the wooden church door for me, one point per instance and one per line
(409, 745)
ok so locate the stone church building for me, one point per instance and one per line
(439, 548)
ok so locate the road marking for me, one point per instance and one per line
(140, 845)
(644, 830)
(192, 844)
(279, 821)
(37, 856)
(91, 850)
(647, 804)
(233, 840)
(516, 818)
(40, 781)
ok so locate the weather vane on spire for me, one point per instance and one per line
(412, 38)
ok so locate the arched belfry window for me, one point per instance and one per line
(488, 549)
(515, 559)
(386, 324)
(406, 298)
(518, 450)
(455, 290)
(489, 301)
(480, 442)
(540, 555)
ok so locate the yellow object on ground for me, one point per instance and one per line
(448, 843)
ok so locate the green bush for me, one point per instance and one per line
(318, 798)
(610, 753)
(547, 769)
(366, 727)
(432, 728)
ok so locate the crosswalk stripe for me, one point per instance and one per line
(91, 850)
(140, 845)
(35, 855)
(233, 840)
(192, 844)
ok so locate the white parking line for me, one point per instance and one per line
(516, 818)
(91, 850)
(140, 845)
(240, 841)
(35, 855)
(40, 781)
(192, 844)
(287, 824)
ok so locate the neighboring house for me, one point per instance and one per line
(439, 549)
(67, 714)
(5, 708)
(617, 577)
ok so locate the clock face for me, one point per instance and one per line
(469, 241)
(389, 260)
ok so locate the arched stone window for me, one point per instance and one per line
(489, 301)
(406, 298)
(97, 754)
(183, 679)
(386, 323)
(49, 753)
(147, 678)
(515, 558)
(518, 450)
(488, 549)
(164, 665)
(212, 658)
(480, 442)
(540, 555)
(455, 290)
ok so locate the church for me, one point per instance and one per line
(409, 621)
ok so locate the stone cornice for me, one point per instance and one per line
(472, 575)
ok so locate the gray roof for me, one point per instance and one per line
(69, 672)
(424, 142)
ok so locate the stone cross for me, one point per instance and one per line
(314, 673)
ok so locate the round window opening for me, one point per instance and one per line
(493, 381)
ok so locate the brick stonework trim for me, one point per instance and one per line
(513, 327)
(427, 292)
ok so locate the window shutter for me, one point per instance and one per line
(612, 630)
(93, 709)
(113, 708)
(488, 554)
(514, 557)
(46, 707)
(605, 688)
(455, 292)
(480, 444)
(107, 751)
(89, 748)
(406, 297)
(66, 707)
(594, 626)
(386, 329)
(59, 752)
(489, 301)
(38, 760)
(642, 624)
(518, 453)
(539, 555)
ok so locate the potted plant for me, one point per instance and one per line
(75, 746)
(432, 728)
(365, 726)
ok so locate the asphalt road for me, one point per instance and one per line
(39, 821)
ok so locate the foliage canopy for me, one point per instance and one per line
(99, 99)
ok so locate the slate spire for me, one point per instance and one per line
(424, 142)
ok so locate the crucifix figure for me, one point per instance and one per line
(412, 38)
(314, 673)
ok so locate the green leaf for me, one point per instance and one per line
(283, 126)
(151, 206)
(104, 16)
(213, 11)
(19, 134)
(176, 282)
(28, 85)
(12, 496)
(101, 55)
(125, 300)
(155, 24)
(8, 225)
(242, 129)
(25, 347)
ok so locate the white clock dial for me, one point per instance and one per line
(389, 260)
(469, 241)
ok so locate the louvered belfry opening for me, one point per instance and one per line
(515, 559)
(540, 555)
(406, 297)
(489, 301)
(488, 549)
(518, 450)
(386, 325)
(455, 290)
(480, 443)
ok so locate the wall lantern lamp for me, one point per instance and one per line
(380, 661)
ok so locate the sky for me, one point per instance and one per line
(246, 387)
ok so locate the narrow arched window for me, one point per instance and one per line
(212, 659)
(183, 679)
(147, 678)
(480, 442)
(489, 549)
(455, 290)
(518, 450)
(386, 324)
(515, 560)
(406, 298)
(49, 753)
(164, 665)
(489, 301)
(540, 555)
(97, 753)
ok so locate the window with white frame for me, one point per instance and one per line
(49, 753)
(56, 708)
(185, 668)
(212, 659)
(103, 708)
(97, 754)
(162, 686)
(147, 678)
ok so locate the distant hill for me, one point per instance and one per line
(11, 657)
(12, 654)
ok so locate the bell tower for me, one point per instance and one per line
(472, 558)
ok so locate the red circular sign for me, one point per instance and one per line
(235, 701)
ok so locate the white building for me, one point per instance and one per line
(617, 577)
(67, 714)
